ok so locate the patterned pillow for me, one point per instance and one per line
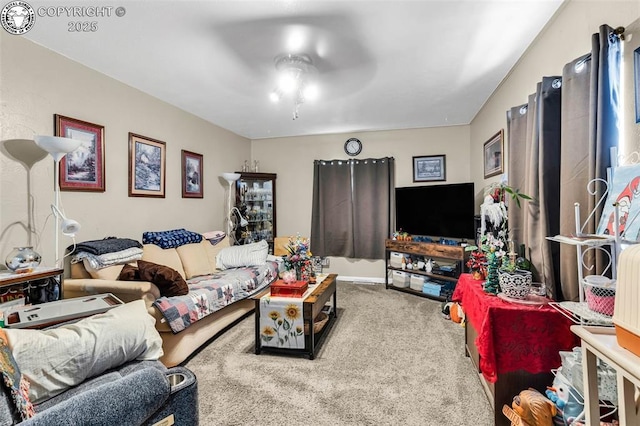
(171, 239)
(14, 380)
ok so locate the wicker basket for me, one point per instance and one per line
(600, 293)
(318, 323)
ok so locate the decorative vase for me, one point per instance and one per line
(517, 284)
(23, 259)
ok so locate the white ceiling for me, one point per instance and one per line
(381, 64)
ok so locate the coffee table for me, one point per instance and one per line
(312, 304)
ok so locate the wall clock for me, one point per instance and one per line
(353, 146)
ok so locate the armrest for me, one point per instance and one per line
(130, 400)
(127, 291)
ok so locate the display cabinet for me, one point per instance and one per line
(256, 203)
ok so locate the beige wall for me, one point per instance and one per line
(292, 159)
(36, 84)
(566, 37)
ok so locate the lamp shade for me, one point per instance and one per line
(231, 177)
(69, 227)
(24, 151)
(57, 146)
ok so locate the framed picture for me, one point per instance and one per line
(82, 169)
(493, 155)
(636, 78)
(429, 168)
(147, 166)
(191, 175)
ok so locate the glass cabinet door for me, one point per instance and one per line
(256, 202)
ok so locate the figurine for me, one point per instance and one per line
(530, 408)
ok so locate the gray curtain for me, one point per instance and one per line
(567, 144)
(352, 207)
(535, 139)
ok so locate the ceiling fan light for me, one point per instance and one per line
(275, 96)
(288, 82)
(311, 92)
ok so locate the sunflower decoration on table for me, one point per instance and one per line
(283, 325)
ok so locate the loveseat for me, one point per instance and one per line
(101, 370)
(231, 274)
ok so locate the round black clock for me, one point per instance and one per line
(353, 146)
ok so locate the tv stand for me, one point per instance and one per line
(441, 281)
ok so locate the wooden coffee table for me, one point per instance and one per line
(311, 306)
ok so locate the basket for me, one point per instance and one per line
(318, 323)
(515, 285)
(600, 293)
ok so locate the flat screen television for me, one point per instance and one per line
(437, 210)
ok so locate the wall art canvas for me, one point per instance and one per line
(493, 148)
(429, 168)
(625, 191)
(82, 169)
(192, 175)
(147, 167)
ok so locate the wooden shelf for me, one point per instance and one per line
(442, 253)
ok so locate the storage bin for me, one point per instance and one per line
(395, 259)
(416, 282)
(431, 289)
(400, 279)
(626, 316)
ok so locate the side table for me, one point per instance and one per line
(601, 342)
(42, 285)
(312, 304)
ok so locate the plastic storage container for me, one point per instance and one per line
(401, 279)
(395, 259)
(432, 289)
(416, 282)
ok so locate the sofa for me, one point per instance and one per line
(232, 273)
(100, 370)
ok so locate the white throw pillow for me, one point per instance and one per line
(59, 358)
(253, 254)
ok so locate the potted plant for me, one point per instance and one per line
(514, 283)
(477, 264)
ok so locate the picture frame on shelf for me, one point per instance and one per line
(192, 183)
(493, 155)
(429, 168)
(147, 166)
(82, 169)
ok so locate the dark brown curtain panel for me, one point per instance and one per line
(352, 207)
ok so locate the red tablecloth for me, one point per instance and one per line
(513, 336)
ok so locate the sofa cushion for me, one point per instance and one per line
(194, 259)
(169, 281)
(166, 257)
(253, 254)
(77, 351)
(108, 273)
(213, 250)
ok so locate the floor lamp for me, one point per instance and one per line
(230, 178)
(27, 153)
(58, 147)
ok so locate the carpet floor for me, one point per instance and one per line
(390, 359)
